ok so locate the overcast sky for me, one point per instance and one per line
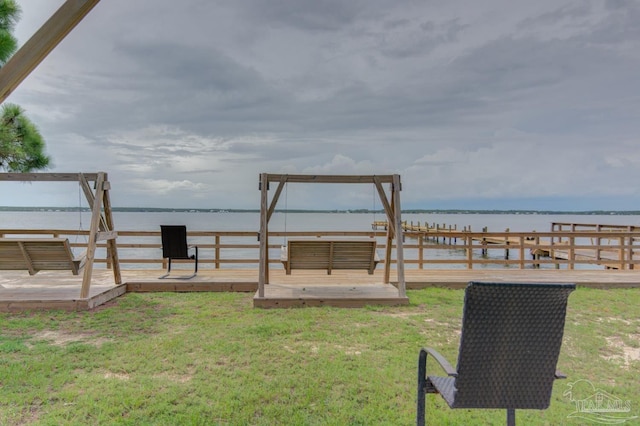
(477, 105)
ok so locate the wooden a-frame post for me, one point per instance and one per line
(263, 235)
(396, 187)
(101, 229)
(391, 207)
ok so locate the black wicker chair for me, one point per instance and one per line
(174, 246)
(509, 347)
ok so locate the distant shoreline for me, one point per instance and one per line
(356, 211)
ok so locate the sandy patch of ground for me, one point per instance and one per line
(176, 378)
(118, 376)
(629, 353)
(61, 338)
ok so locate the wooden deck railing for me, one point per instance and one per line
(565, 249)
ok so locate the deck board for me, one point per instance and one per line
(61, 290)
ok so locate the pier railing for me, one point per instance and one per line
(433, 249)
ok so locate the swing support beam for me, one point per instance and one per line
(33, 52)
(102, 226)
(390, 203)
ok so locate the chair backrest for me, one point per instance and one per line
(174, 241)
(510, 343)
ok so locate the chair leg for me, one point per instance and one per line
(196, 261)
(422, 382)
(195, 272)
(511, 417)
(168, 270)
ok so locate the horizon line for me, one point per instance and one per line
(357, 211)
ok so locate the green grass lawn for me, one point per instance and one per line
(210, 358)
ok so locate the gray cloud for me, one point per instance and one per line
(467, 102)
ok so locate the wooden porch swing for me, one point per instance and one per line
(329, 255)
(36, 254)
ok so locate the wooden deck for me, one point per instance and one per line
(49, 290)
(61, 290)
(348, 289)
(233, 280)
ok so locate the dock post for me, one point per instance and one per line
(484, 251)
(536, 253)
(506, 250)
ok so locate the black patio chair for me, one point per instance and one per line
(174, 246)
(509, 348)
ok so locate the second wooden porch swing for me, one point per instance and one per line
(333, 254)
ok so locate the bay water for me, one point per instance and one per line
(250, 221)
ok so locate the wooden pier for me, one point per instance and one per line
(424, 228)
(609, 245)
